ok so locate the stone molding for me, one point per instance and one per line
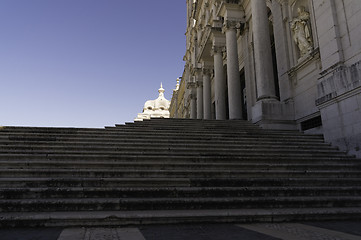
(342, 84)
(315, 54)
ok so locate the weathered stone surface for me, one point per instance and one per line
(172, 171)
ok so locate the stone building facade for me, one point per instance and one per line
(282, 64)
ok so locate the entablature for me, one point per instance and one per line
(205, 44)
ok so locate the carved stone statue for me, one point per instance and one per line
(301, 31)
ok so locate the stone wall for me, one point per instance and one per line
(340, 105)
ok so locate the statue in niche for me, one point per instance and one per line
(301, 31)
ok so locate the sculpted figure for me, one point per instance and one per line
(301, 31)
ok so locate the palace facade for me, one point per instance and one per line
(282, 64)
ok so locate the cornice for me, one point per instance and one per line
(204, 40)
(197, 8)
(282, 2)
(218, 38)
(232, 10)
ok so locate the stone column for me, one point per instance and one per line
(233, 77)
(262, 51)
(193, 106)
(207, 104)
(220, 84)
(192, 97)
(199, 85)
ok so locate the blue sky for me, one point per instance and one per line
(87, 63)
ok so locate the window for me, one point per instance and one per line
(311, 123)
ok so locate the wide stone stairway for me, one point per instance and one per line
(172, 171)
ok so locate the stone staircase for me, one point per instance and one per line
(172, 171)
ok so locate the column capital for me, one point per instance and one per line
(187, 65)
(195, 71)
(218, 49)
(207, 68)
(207, 71)
(191, 97)
(218, 38)
(191, 85)
(231, 25)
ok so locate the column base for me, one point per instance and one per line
(272, 114)
(267, 98)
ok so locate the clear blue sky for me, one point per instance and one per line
(87, 63)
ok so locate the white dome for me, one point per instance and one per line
(158, 108)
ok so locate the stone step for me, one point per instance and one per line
(241, 125)
(183, 150)
(207, 134)
(196, 126)
(121, 138)
(182, 140)
(126, 218)
(275, 182)
(49, 130)
(168, 125)
(19, 140)
(174, 192)
(192, 156)
(230, 132)
(192, 123)
(270, 158)
(191, 128)
(149, 127)
(133, 204)
(171, 166)
(93, 182)
(183, 173)
(52, 182)
(185, 165)
(140, 147)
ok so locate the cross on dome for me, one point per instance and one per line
(161, 90)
